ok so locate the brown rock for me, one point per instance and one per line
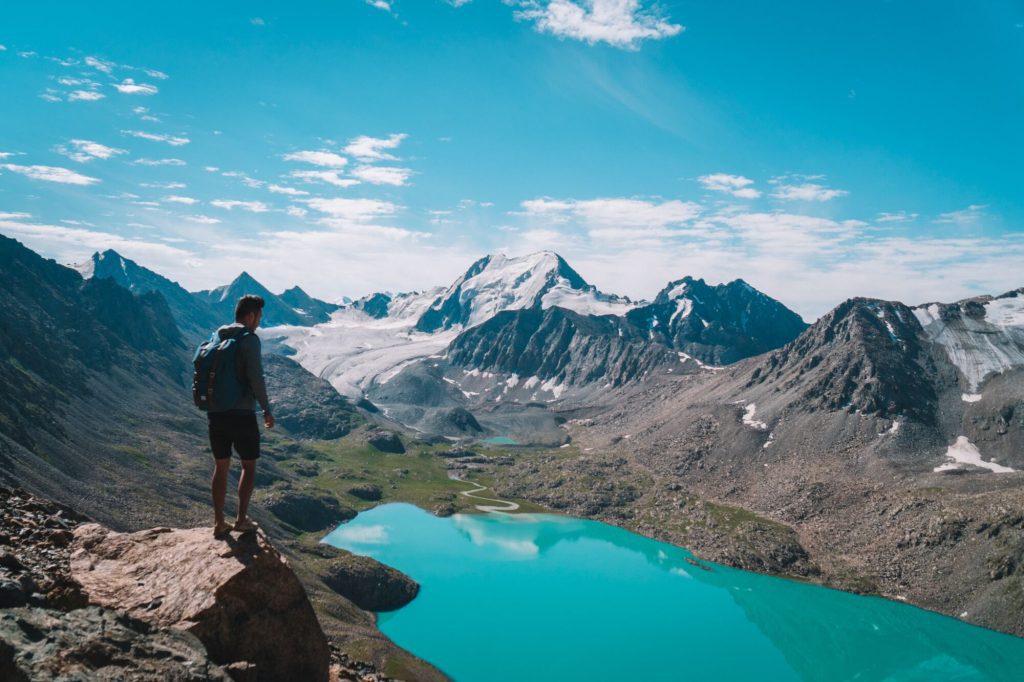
(237, 595)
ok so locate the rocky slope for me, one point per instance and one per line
(717, 325)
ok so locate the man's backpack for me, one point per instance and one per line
(216, 383)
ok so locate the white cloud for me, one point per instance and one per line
(317, 158)
(251, 206)
(620, 23)
(100, 64)
(75, 244)
(129, 87)
(296, 211)
(257, 21)
(172, 140)
(164, 185)
(964, 217)
(805, 191)
(177, 199)
(202, 219)
(85, 96)
(158, 162)
(329, 177)
(246, 180)
(736, 185)
(614, 213)
(383, 175)
(153, 73)
(896, 217)
(367, 148)
(51, 174)
(86, 150)
(290, 191)
(353, 210)
(380, 4)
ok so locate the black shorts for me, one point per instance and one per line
(240, 430)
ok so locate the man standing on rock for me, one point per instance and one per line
(237, 425)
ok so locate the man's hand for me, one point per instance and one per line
(268, 420)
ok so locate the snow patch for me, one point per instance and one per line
(970, 397)
(964, 452)
(748, 418)
(553, 387)
(684, 307)
(714, 368)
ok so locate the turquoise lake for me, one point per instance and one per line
(534, 597)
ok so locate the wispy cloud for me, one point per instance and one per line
(736, 185)
(251, 206)
(51, 174)
(787, 190)
(173, 140)
(328, 177)
(964, 217)
(619, 23)
(383, 175)
(85, 96)
(317, 158)
(201, 219)
(102, 65)
(158, 162)
(380, 4)
(354, 210)
(290, 191)
(129, 87)
(366, 148)
(895, 217)
(614, 212)
(87, 150)
(178, 199)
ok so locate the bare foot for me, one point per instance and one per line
(221, 529)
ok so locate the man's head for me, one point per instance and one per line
(249, 310)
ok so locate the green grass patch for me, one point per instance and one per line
(133, 452)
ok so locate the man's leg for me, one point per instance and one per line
(245, 486)
(219, 488)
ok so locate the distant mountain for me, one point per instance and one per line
(718, 324)
(276, 311)
(495, 283)
(194, 316)
(304, 304)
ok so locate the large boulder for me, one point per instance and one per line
(237, 595)
(305, 511)
(386, 441)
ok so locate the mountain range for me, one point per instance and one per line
(878, 449)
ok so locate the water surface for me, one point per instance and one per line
(545, 597)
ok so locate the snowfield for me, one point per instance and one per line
(980, 347)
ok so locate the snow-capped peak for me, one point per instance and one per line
(499, 282)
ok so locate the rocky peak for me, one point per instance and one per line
(374, 305)
(717, 324)
(865, 355)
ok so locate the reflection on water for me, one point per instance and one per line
(544, 597)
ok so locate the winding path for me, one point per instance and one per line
(505, 507)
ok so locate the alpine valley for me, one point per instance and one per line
(879, 449)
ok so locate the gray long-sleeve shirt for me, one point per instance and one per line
(250, 369)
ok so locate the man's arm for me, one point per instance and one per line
(254, 370)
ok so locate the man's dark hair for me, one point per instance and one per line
(250, 303)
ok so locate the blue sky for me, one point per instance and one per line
(817, 151)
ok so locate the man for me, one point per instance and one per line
(237, 426)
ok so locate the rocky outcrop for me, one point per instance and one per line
(238, 595)
(98, 644)
(305, 404)
(305, 511)
(386, 441)
(364, 581)
(370, 492)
